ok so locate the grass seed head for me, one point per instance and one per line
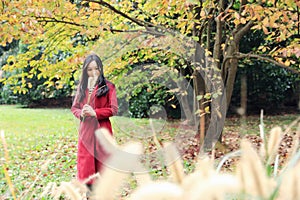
(273, 142)
(106, 140)
(175, 166)
(252, 174)
(213, 187)
(91, 83)
(70, 190)
(290, 185)
(159, 191)
(112, 178)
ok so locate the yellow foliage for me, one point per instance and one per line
(56, 26)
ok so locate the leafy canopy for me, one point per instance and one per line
(50, 27)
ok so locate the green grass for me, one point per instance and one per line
(37, 137)
(250, 125)
(48, 137)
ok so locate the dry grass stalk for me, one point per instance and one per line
(295, 147)
(203, 171)
(205, 165)
(251, 173)
(226, 157)
(142, 178)
(106, 140)
(110, 182)
(82, 185)
(251, 178)
(262, 150)
(54, 189)
(190, 180)
(205, 182)
(117, 156)
(49, 189)
(159, 191)
(273, 143)
(214, 187)
(261, 125)
(91, 86)
(176, 167)
(294, 123)
(295, 139)
(111, 179)
(262, 135)
(295, 144)
(290, 186)
(6, 174)
(94, 176)
(68, 189)
(158, 144)
(276, 165)
(73, 189)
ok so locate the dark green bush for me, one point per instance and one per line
(152, 100)
(268, 86)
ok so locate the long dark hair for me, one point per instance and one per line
(101, 82)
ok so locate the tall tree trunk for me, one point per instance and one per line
(217, 44)
(182, 85)
(230, 62)
(199, 88)
(198, 80)
(229, 71)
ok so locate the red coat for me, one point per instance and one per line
(90, 155)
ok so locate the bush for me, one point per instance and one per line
(35, 88)
(36, 92)
(149, 100)
(268, 86)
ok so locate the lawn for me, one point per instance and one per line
(42, 143)
(42, 147)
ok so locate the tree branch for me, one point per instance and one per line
(218, 36)
(228, 7)
(107, 5)
(242, 31)
(243, 2)
(145, 24)
(150, 28)
(54, 20)
(242, 55)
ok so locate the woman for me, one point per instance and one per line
(93, 109)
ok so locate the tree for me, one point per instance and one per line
(77, 26)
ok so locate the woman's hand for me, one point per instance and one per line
(87, 110)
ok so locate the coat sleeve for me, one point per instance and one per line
(76, 109)
(112, 109)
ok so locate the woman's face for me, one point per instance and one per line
(93, 70)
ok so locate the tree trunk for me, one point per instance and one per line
(199, 88)
(229, 71)
(189, 115)
(198, 80)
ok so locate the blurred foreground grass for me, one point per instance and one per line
(42, 143)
